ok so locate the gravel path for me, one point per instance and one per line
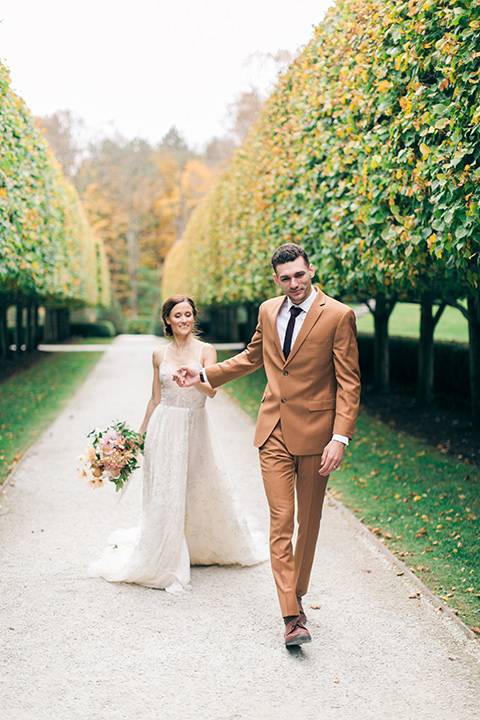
(76, 648)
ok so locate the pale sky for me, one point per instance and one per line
(141, 67)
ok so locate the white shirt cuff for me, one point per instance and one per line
(341, 438)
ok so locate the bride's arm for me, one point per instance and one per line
(156, 389)
(208, 357)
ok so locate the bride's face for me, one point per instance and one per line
(181, 319)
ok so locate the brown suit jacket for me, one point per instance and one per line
(316, 392)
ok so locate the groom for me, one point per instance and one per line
(307, 343)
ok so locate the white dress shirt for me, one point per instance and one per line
(284, 316)
(282, 319)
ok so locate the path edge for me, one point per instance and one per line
(379, 545)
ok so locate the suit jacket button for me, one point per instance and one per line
(284, 400)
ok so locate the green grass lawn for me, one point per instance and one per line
(424, 505)
(405, 322)
(32, 398)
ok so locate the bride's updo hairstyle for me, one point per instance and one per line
(167, 308)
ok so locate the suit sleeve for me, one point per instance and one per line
(347, 375)
(239, 365)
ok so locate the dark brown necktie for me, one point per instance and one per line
(287, 343)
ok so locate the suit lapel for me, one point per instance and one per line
(312, 317)
(276, 310)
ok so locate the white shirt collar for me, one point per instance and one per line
(306, 304)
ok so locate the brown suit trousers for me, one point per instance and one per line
(309, 396)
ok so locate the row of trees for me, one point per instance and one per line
(368, 154)
(49, 254)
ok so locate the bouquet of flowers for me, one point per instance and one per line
(111, 455)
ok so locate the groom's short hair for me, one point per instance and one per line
(288, 253)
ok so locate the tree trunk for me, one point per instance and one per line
(19, 327)
(222, 327)
(29, 328)
(426, 351)
(63, 323)
(232, 320)
(4, 342)
(252, 320)
(36, 329)
(381, 357)
(474, 356)
(50, 330)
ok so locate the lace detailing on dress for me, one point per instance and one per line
(190, 513)
(174, 396)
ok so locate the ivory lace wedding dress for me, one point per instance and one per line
(190, 514)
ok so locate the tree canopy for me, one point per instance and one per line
(367, 153)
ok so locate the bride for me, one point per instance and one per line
(190, 515)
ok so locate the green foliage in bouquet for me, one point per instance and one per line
(111, 455)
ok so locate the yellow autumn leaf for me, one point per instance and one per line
(383, 86)
(425, 150)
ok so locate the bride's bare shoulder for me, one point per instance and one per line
(208, 353)
(158, 355)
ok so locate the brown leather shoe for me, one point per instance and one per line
(296, 633)
(303, 617)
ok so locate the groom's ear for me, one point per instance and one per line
(275, 279)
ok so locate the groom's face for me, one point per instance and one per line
(295, 279)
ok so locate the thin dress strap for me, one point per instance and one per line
(200, 354)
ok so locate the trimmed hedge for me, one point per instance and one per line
(48, 252)
(452, 375)
(367, 153)
(97, 329)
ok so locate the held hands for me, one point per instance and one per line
(332, 457)
(186, 377)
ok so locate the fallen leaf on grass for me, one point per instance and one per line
(414, 596)
(475, 629)
(422, 568)
(421, 532)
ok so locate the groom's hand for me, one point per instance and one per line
(332, 457)
(186, 376)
